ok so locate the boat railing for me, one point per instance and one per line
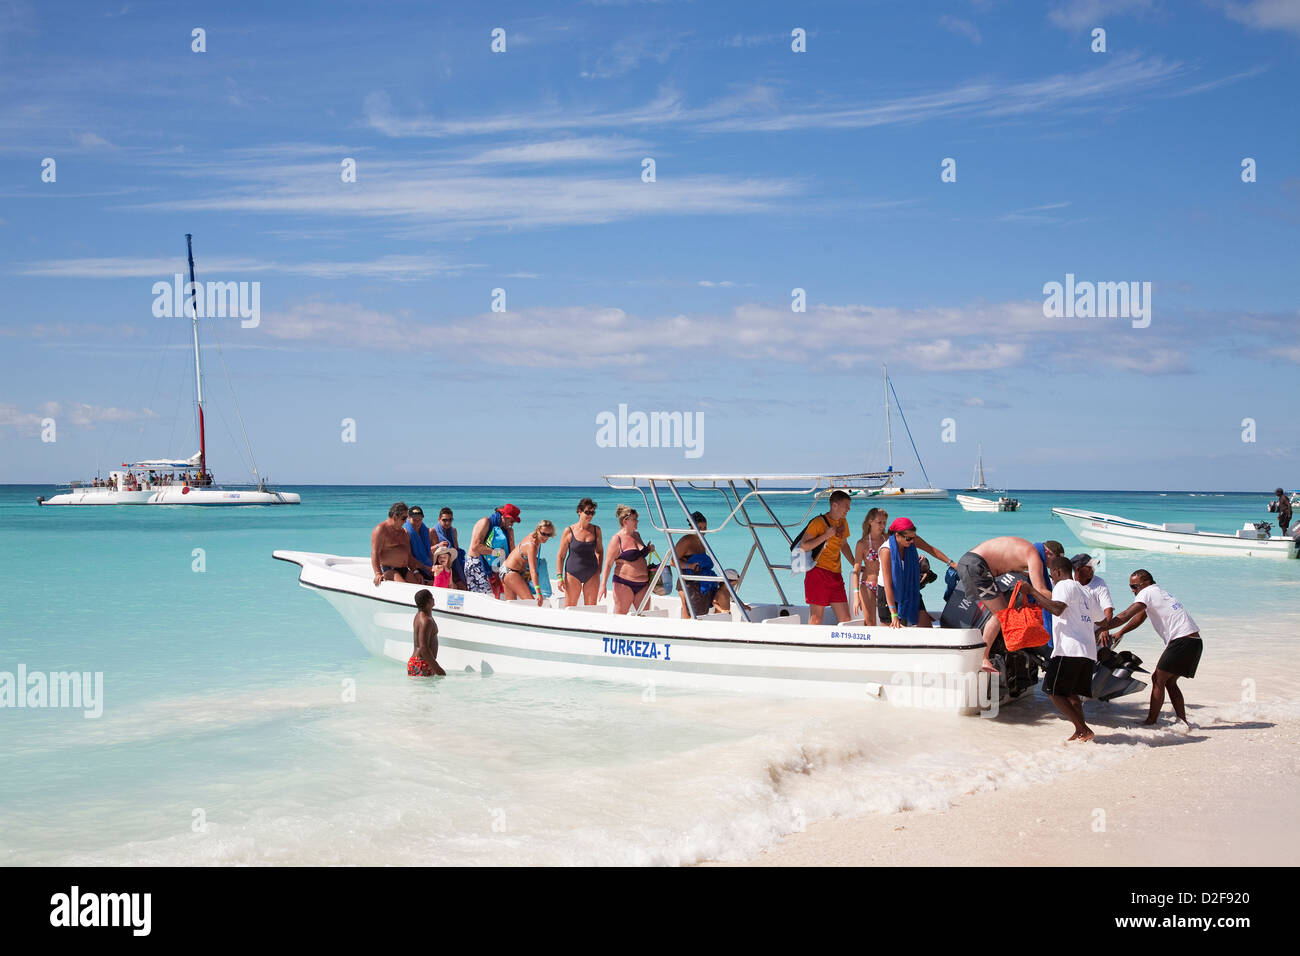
(745, 491)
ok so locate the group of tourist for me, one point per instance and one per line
(888, 575)
(1077, 608)
(403, 549)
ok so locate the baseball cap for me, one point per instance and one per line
(1079, 560)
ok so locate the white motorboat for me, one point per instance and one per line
(1112, 531)
(972, 503)
(891, 488)
(767, 648)
(166, 481)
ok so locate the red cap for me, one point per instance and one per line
(901, 524)
(509, 511)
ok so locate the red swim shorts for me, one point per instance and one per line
(415, 667)
(824, 588)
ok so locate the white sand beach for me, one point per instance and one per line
(1227, 793)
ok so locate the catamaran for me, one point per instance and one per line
(171, 481)
(891, 488)
(765, 647)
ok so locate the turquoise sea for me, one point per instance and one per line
(243, 723)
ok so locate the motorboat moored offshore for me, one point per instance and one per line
(973, 503)
(1112, 531)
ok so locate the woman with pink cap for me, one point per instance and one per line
(900, 574)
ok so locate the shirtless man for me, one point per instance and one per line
(981, 564)
(390, 549)
(424, 660)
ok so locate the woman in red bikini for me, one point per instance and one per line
(626, 557)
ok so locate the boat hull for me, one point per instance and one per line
(932, 669)
(172, 495)
(1112, 531)
(97, 496)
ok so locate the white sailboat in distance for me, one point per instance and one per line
(173, 481)
(891, 488)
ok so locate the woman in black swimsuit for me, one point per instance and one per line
(579, 557)
(626, 558)
(520, 565)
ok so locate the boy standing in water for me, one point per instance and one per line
(424, 661)
(1074, 647)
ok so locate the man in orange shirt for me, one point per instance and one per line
(823, 586)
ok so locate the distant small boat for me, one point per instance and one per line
(1112, 531)
(977, 482)
(971, 503)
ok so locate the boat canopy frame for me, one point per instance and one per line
(746, 492)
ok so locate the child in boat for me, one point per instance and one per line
(443, 556)
(424, 660)
(1074, 647)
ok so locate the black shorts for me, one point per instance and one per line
(976, 577)
(1069, 675)
(1181, 657)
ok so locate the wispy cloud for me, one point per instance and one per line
(395, 268)
(1265, 14)
(1081, 14)
(627, 54)
(69, 413)
(429, 196)
(757, 108)
(962, 28)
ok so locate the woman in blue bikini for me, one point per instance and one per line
(626, 557)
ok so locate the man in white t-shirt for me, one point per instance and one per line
(1176, 628)
(1096, 586)
(1068, 677)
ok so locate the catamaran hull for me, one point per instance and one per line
(909, 668)
(174, 496)
(1111, 531)
(220, 496)
(98, 496)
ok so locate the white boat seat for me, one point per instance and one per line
(791, 619)
(590, 608)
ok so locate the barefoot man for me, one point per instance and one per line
(424, 660)
(390, 549)
(1068, 678)
(977, 570)
(1176, 628)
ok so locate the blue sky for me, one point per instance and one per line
(774, 170)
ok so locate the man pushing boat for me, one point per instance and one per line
(978, 570)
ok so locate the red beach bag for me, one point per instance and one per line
(1022, 626)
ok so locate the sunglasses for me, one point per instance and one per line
(908, 536)
(589, 511)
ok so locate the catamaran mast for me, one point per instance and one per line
(889, 432)
(198, 369)
(979, 469)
